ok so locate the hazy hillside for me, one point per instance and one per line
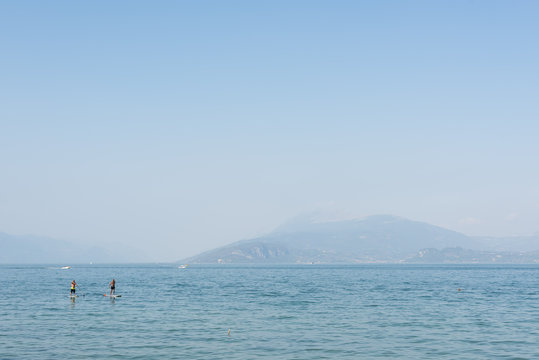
(34, 249)
(460, 255)
(508, 243)
(379, 238)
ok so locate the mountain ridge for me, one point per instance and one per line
(376, 238)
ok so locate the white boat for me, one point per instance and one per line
(183, 266)
(65, 267)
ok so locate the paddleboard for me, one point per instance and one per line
(113, 296)
(73, 296)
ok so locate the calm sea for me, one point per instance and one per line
(274, 312)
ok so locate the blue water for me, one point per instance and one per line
(273, 312)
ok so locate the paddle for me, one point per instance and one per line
(83, 294)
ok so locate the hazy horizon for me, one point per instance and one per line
(178, 127)
(133, 254)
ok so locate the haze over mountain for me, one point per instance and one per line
(305, 239)
(29, 249)
(379, 238)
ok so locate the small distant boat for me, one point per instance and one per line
(65, 267)
(183, 266)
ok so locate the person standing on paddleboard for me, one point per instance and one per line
(112, 287)
(73, 285)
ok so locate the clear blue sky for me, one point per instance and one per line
(178, 126)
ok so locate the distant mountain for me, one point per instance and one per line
(508, 243)
(30, 249)
(379, 238)
(460, 256)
